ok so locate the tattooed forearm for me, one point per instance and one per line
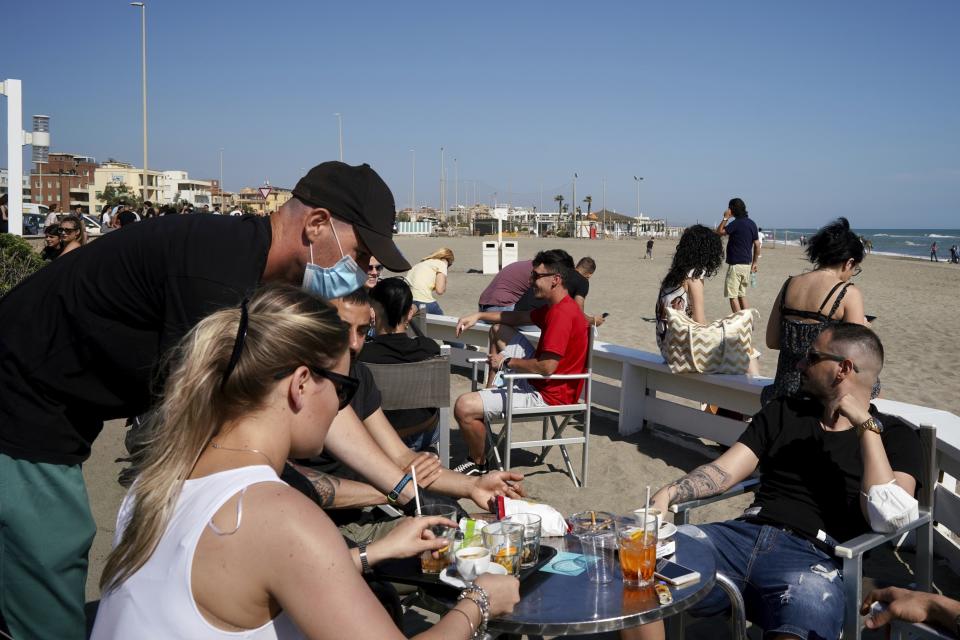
(702, 482)
(324, 484)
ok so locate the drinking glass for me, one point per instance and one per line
(504, 540)
(637, 540)
(428, 562)
(531, 537)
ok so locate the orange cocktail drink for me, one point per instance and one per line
(638, 551)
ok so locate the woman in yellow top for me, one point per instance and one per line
(428, 278)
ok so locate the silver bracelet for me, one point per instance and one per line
(479, 597)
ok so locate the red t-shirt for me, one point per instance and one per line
(563, 331)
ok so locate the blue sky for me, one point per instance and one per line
(806, 110)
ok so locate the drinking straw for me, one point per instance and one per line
(416, 490)
(646, 507)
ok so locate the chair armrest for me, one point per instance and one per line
(537, 376)
(863, 543)
(901, 629)
(748, 485)
(484, 359)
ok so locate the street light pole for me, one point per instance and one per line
(456, 189)
(143, 64)
(340, 133)
(442, 194)
(573, 206)
(413, 182)
(221, 179)
(638, 179)
(604, 208)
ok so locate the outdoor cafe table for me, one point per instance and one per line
(554, 604)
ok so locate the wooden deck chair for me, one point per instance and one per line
(851, 552)
(548, 416)
(418, 385)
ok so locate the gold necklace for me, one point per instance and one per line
(241, 450)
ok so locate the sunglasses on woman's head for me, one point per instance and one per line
(346, 386)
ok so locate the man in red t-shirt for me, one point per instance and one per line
(562, 349)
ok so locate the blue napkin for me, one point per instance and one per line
(566, 563)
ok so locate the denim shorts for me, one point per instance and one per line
(493, 307)
(789, 585)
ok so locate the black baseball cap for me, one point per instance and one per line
(359, 196)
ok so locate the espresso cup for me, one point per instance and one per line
(472, 562)
(651, 512)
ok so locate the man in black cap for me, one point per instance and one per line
(108, 312)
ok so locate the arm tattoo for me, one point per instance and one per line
(324, 484)
(702, 482)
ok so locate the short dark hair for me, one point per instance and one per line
(394, 295)
(359, 297)
(52, 230)
(737, 207)
(558, 261)
(858, 334)
(588, 264)
(834, 244)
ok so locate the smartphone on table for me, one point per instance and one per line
(675, 574)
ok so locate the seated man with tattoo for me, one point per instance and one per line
(378, 456)
(820, 456)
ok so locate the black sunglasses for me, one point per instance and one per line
(65, 230)
(813, 357)
(346, 386)
(534, 276)
(375, 267)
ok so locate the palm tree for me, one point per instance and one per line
(559, 200)
(589, 201)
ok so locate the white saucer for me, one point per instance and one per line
(667, 530)
(450, 576)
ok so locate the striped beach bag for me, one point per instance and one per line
(723, 346)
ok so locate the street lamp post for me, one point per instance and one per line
(573, 206)
(143, 64)
(604, 208)
(456, 190)
(413, 182)
(221, 180)
(638, 180)
(340, 133)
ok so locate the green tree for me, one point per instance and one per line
(403, 216)
(559, 200)
(119, 194)
(17, 261)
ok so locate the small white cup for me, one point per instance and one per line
(472, 562)
(652, 512)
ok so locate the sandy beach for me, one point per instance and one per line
(914, 301)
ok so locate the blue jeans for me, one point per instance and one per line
(493, 307)
(432, 307)
(789, 585)
(423, 441)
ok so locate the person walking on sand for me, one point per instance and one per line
(933, 252)
(743, 252)
(649, 248)
(428, 278)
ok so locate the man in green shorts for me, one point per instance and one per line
(743, 252)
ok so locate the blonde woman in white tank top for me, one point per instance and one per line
(210, 543)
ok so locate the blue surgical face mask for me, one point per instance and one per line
(342, 279)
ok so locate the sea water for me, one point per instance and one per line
(914, 243)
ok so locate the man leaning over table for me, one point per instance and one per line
(824, 457)
(376, 445)
(562, 349)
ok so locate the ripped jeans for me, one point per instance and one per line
(788, 584)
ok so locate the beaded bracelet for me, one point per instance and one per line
(478, 596)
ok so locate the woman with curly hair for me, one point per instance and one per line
(699, 255)
(798, 314)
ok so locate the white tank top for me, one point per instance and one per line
(157, 601)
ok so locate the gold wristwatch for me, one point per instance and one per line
(872, 424)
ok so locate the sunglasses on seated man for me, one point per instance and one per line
(813, 357)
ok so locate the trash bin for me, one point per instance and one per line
(491, 256)
(508, 252)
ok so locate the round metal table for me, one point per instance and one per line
(553, 604)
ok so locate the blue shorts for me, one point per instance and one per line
(789, 585)
(493, 307)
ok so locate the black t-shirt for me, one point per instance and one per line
(741, 232)
(811, 477)
(80, 339)
(364, 403)
(399, 348)
(577, 285)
